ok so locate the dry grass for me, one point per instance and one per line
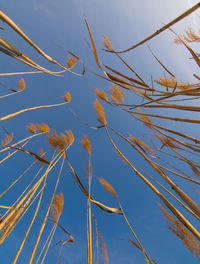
(175, 147)
(60, 143)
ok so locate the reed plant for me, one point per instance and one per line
(162, 151)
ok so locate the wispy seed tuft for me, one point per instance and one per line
(71, 62)
(107, 186)
(32, 128)
(67, 97)
(100, 112)
(60, 142)
(57, 207)
(116, 94)
(21, 84)
(86, 144)
(43, 128)
(180, 231)
(107, 43)
(101, 94)
(7, 139)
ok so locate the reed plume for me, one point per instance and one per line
(32, 128)
(101, 94)
(59, 143)
(86, 144)
(71, 62)
(21, 84)
(57, 207)
(101, 117)
(181, 232)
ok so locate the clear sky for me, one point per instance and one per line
(58, 25)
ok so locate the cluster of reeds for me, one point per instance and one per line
(167, 92)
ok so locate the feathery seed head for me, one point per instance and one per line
(116, 94)
(70, 136)
(141, 144)
(57, 207)
(86, 144)
(32, 128)
(189, 36)
(100, 112)
(7, 139)
(172, 83)
(145, 119)
(107, 186)
(101, 94)
(180, 231)
(62, 141)
(71, 62)
(43, 128)
(21, 84)
(167, 82)
(103, 248)
(67, 97)
(107, 43)
(167, 142)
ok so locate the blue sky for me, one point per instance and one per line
(52, 24)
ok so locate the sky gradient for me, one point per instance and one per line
(58, 25)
